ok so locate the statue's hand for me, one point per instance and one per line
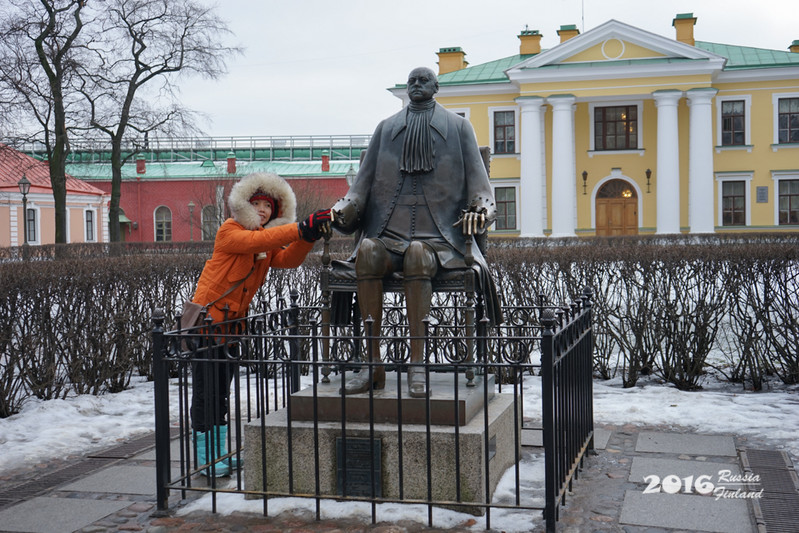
(344, 215)
(472, 220)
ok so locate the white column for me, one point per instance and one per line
(700, 160)
(564, 180)
(533, 178)
(667, 173)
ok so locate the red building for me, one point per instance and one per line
(183, 199)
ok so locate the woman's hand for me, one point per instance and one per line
(315, 226)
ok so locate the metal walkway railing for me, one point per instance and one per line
(243, 148)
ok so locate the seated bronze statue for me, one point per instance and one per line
(422, 192)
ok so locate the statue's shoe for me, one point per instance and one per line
(417, 384)
(360, 383)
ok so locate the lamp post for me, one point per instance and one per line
(24, 189)
(350, 176)
(191, 220)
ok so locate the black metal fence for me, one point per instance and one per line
(298, 436)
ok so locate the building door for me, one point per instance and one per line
(616, 209)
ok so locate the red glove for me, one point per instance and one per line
(315, 226)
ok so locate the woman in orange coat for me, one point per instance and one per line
(261, 234)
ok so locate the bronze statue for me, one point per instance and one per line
(422, 187)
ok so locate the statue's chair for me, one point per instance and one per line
(339, 294)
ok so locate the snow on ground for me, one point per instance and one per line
(57, 429)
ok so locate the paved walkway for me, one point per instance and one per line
(114, 491)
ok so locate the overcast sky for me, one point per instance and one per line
(323, 66)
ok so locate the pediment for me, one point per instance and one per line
(613, 41)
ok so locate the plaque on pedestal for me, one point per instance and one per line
(358, 467)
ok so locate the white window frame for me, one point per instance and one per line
(467, 111)
(747, 98)
(721, 177)
(777, 176)
(37, 223)
(155, 223)
(514, 184)
(94, 224)
(775, 108)
(639, 104)
(516, 130)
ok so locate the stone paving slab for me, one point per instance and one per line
(119, 480)
(56, 515)
(149, 455)
(646, 466)
(535, 437)
(686, 512)
(601, 438)
(686, 444)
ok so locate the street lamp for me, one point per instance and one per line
(191, 220)
(24, 189)
(350, 176)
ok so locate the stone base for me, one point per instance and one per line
(384, 401)
(471, 460)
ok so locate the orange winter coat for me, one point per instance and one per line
(236, 250)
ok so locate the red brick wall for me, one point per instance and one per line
(140, 198)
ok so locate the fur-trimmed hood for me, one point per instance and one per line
(245, 214)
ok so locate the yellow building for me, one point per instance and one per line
(622, 131)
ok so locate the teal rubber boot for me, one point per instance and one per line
(233, 463)
(206, 455)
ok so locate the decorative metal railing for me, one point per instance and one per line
(281, 375)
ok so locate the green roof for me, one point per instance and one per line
(195, 169)
(491, 72)
(739, 57)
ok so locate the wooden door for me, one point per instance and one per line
(616, 209)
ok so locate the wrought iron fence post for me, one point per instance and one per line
(549, 321)
(161, 395)
(588, 305)
(294, 341)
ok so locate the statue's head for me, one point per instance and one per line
(422, 84)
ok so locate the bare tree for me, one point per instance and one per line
(38, 53)
(139, 51)
(69, 70)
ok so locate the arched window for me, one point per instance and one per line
(210, 222)
(616, 189)
(163, 224)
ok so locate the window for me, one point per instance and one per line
(209, 222)
(89, 226)
(788, 120)
(733, 132)
(733, 203)
(30, 218)
(788, 202)
(163, 224)
(616, 128)
(506, 207)
(504, 132)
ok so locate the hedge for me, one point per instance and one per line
(77, 318)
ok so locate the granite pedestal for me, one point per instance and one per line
(408, 438)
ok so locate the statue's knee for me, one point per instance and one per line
(371, 260)
(419, 262)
